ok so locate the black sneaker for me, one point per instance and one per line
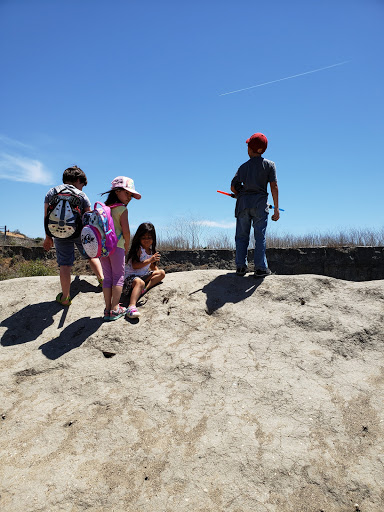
(262, 273)
(241, 271)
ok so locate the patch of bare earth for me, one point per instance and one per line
(227, 394)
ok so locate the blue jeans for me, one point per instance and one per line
(259, 218)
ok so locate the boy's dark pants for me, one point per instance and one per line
(258, 218)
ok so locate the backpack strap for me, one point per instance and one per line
(74, 198)
(115, 206)
(111, 206)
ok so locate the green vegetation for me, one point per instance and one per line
(15, 268)
(35, 268)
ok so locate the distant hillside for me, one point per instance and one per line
(16, 238)
(15, 235)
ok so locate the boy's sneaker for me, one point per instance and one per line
(262, 273)
(241, 271)
(132, 312)
(115, 315)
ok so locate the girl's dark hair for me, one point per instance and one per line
(143, 229)
(112, 197)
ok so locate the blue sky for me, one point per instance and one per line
(137, 89)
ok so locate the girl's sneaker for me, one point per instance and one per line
(107, 314)
(115, 315)
(132, 312)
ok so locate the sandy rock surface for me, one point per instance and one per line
(227, 395)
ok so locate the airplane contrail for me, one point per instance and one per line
(286, 78)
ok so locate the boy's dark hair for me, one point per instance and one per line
(143, 229)
(73, 174)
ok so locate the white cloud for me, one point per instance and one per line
(19, 168)
(213, 224)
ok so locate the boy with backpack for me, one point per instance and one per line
(250, 188)
(64, 206)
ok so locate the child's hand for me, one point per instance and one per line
(48, 243)
(155, 258)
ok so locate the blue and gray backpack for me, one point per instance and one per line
(63, 219)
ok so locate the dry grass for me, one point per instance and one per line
(186, 235)
(341, 238)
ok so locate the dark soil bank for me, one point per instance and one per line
(349, 263)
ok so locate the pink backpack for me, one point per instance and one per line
(98, 234)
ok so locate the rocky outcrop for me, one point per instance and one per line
(28, 253)
(228, 394)
(350, 263)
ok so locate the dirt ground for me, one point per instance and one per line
(228, 394)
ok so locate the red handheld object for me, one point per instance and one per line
(226, 193)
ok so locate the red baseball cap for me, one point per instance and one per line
(258, 142)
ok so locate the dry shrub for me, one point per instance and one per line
(186, 235)
(354, 237)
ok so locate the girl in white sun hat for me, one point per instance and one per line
(121, 192)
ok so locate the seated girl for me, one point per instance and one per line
(141, 271)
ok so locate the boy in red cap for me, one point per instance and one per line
(250, 188)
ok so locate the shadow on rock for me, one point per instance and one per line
(71, 337)
(81, 285)
(30, 322)
(228, 288)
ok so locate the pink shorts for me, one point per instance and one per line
(113, 268)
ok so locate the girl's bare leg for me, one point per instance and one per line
(96, 267)
(137, 287)
(116, 294)
(107, 298)
(157, 276)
